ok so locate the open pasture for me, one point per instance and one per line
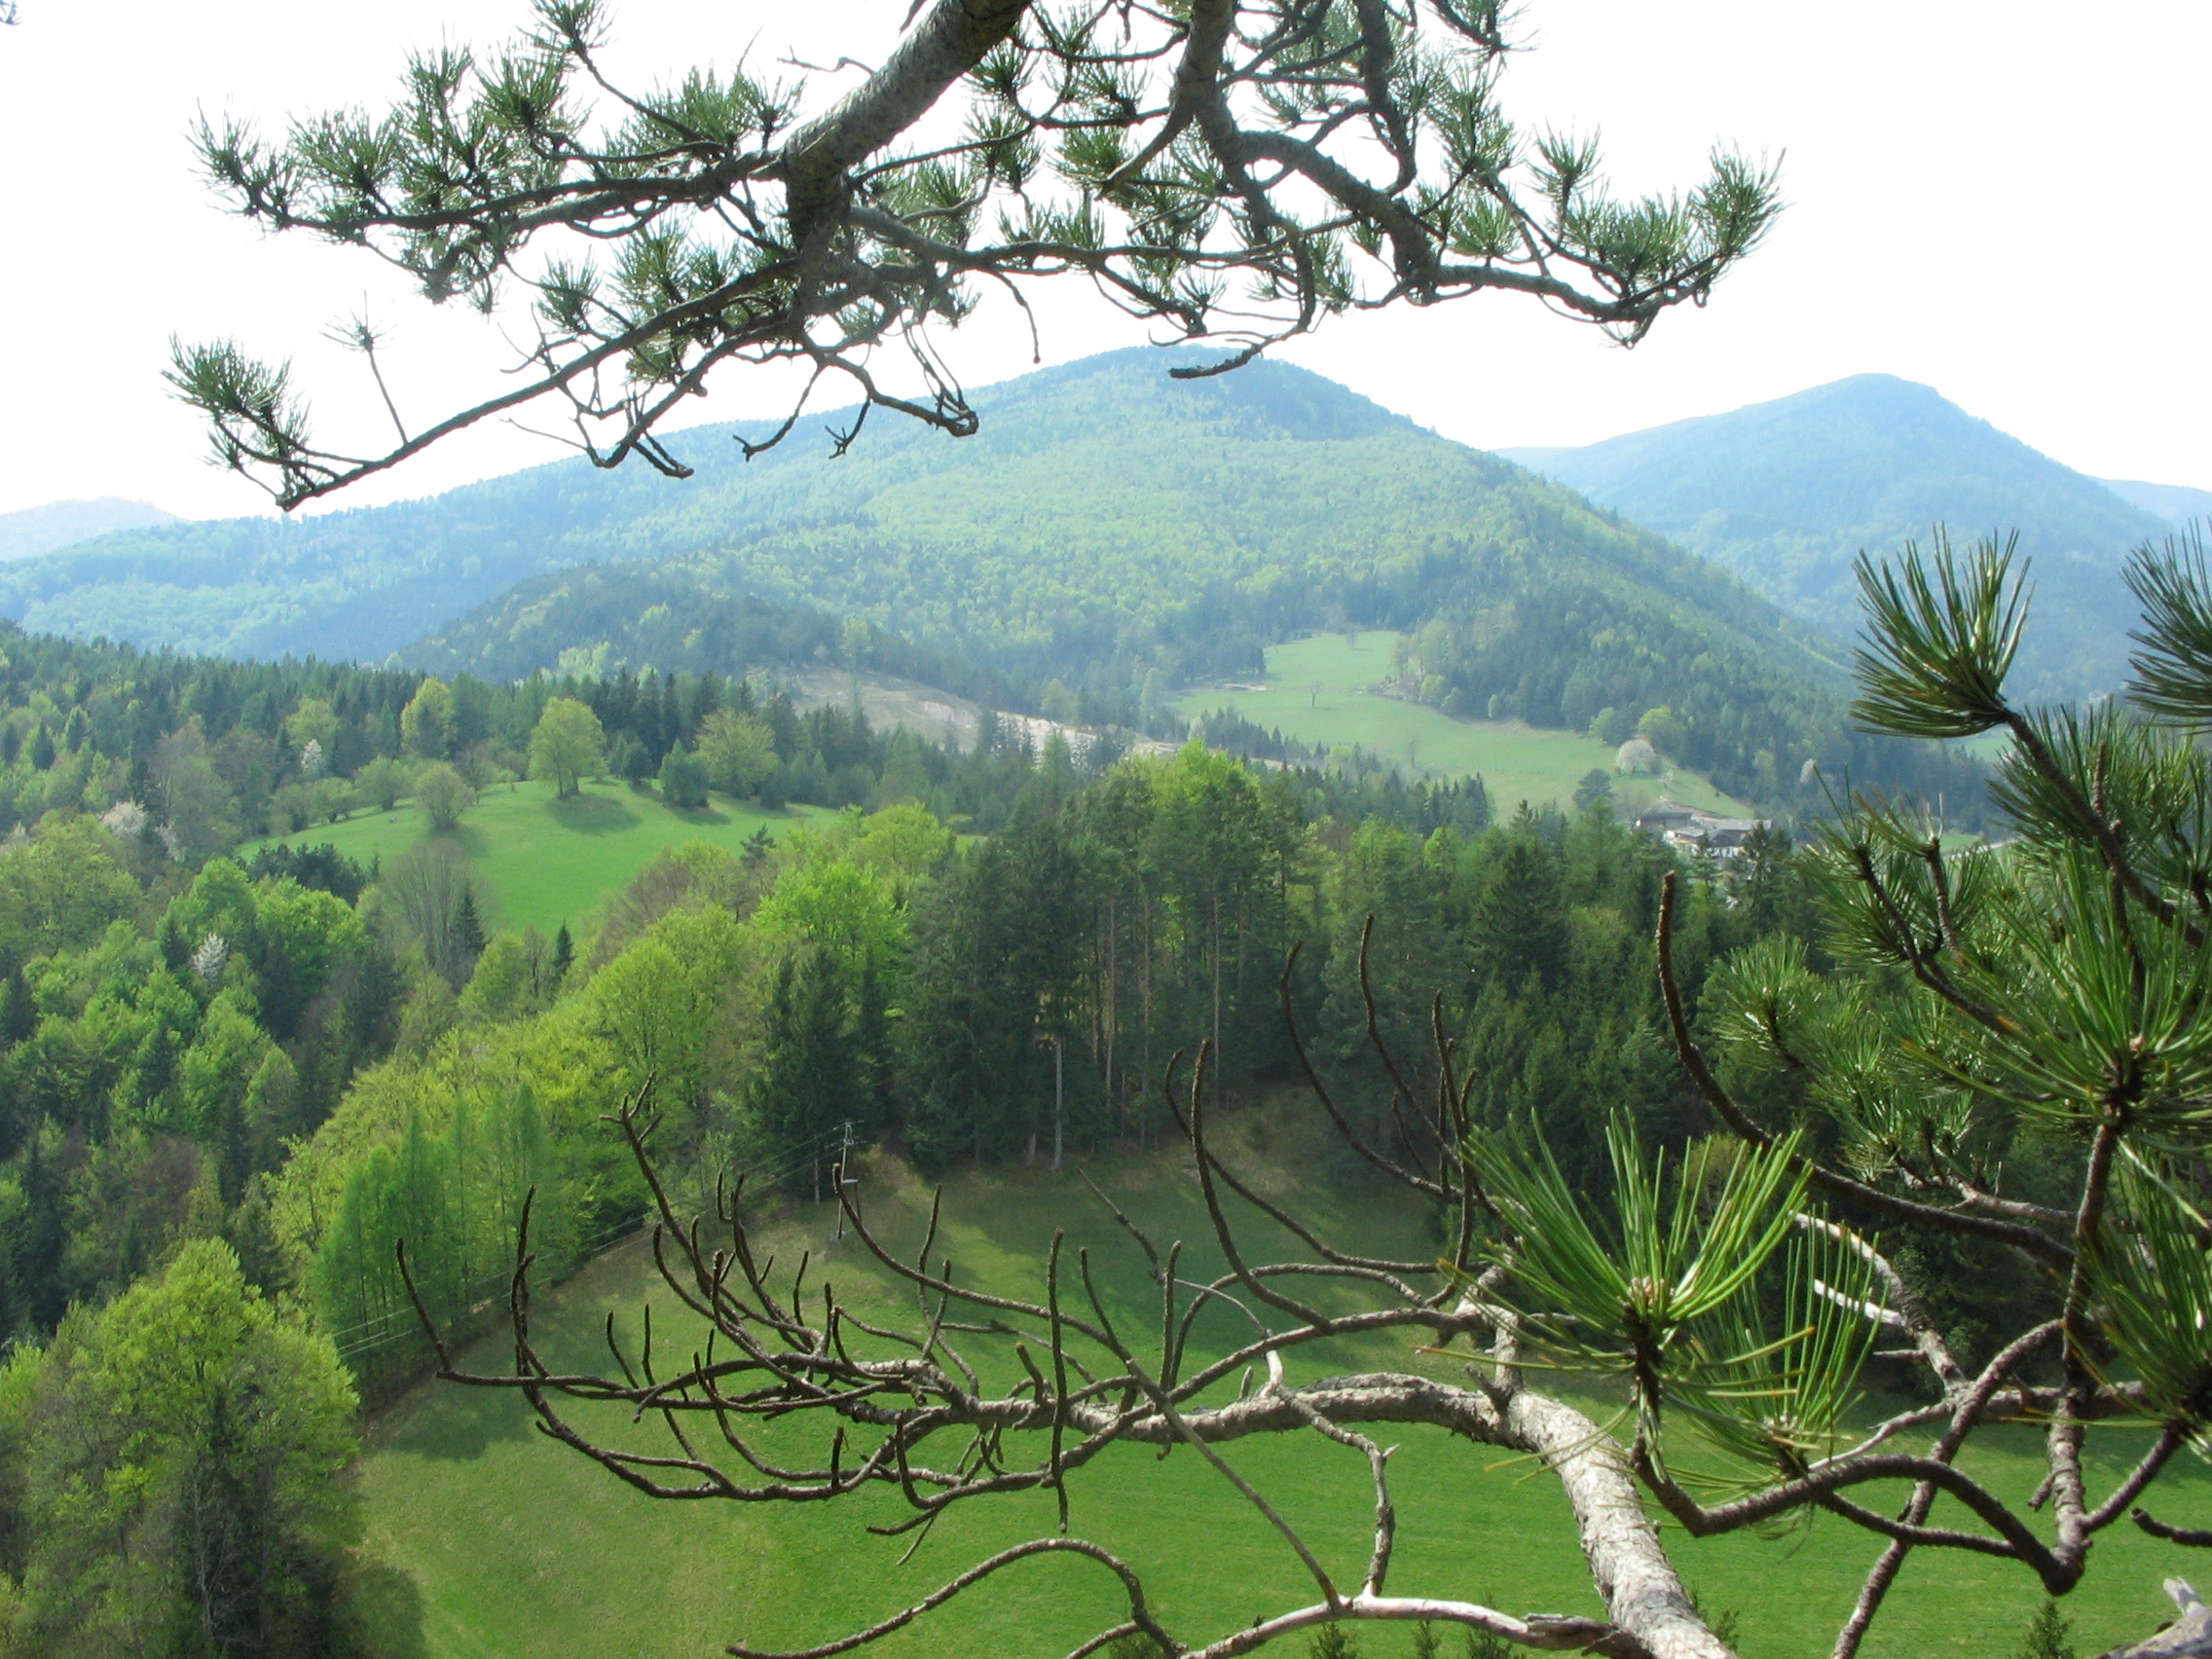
(1322, 690)
(550, 861)
(491, 1541)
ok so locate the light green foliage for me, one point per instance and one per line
(220, 900)
(683, 780)
(1334, 1641)
(315, 931)
(456, 1197)
(312, 721)
(426, 725)
(382, 781)
(62, 888)
(508, 982)
(218, 1070)
(849, 910)
(738, 751)
(183, 1448)
(443, 795)
(689, 873)
(1662, 729)
(656, 1003)
(565, 746)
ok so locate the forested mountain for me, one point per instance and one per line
(1109, 525)
(1785, 493)
(59, 524)
(675, 618)
(1106, 510)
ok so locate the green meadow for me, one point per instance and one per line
(549, 861)
(484, 1539)
(1322, 690)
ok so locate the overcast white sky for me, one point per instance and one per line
(2004, 198)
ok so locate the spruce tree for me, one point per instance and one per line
(2047, 1635)
(1519, 925)
(467, 932)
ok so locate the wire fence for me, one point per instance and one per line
(360, 1343)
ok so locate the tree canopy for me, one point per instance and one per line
(566, 745)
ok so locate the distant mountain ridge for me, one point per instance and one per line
(2177, 503)
(1785, 493)
(32, 531)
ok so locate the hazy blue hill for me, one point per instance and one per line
(32, 530)
(1785, 493)
(2177, 503)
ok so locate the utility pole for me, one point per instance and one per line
(846, 1178)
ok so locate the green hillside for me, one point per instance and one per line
(1104, 508)
(1109, 515)
(1110, 528)
(1785, 493)
(1325, 690)
(489, 1540)
(547, 861)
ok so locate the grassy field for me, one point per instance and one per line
(485, 1540)
(550, 861)
(1319, 691)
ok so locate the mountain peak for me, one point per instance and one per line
(1787, 491)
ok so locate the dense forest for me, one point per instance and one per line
(231, 1086)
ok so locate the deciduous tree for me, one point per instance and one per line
(565, 747)
(443, 793)
(183, 1447)
(738, 751)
